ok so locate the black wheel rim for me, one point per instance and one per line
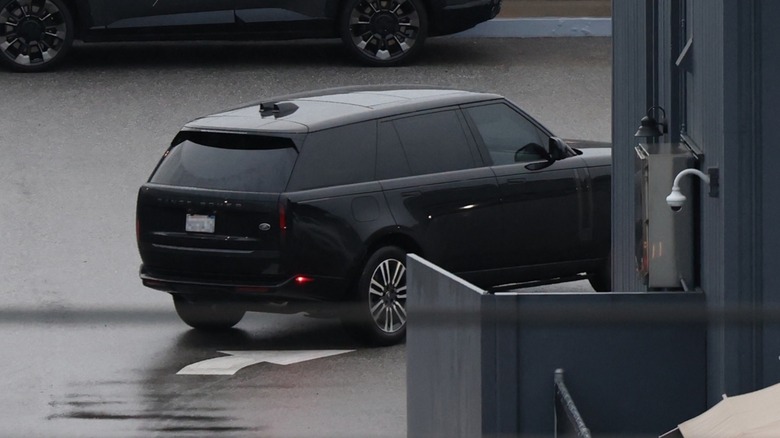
(32, 32)
(384, 30)
(387, 296)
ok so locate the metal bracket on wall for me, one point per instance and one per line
(684, 60)
(693, 147)
(714, 174)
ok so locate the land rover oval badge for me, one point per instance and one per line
(264, 226)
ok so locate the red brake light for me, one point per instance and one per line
(301, 280)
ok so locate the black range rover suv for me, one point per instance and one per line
(37, 34)
(316, 198)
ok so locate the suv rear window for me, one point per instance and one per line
(235, 162)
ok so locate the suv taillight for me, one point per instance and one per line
(282, 219)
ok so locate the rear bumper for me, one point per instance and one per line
(464, 15)
(308, 289)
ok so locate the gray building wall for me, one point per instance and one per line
(721, 100)
(629, 104)
(766, 155)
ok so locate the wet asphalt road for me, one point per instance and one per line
(86, 350)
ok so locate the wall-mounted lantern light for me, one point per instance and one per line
(651, 127)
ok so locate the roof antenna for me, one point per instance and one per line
(278, 110)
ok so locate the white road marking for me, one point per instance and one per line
(236, 360)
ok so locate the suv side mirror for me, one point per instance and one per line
(559, 149)
(531, 152)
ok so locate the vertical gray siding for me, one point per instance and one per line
(629, 105)
(722, 122)
(739, 161)
(671, 40)
(767, 235)
(729, 110)
(705, 123)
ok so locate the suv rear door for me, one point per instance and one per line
(437, 186)
(211, 208)
(334, 205)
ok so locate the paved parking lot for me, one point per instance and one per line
(87, 350)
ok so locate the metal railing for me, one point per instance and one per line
(566, 409)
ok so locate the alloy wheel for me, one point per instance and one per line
(387, 296)
(33, 32)
(384, 30)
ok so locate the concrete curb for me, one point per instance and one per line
(540, 27)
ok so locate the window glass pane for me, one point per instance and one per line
(338, 156)
(391, 159)
(434, 142)
(504, 132)
(233, 162)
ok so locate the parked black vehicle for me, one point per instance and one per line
(303, 200)
(37, 34)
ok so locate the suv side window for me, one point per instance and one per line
(506, 133)
(434, 142)
(391, 159)
(336, 156)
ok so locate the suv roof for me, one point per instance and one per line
(312, 111)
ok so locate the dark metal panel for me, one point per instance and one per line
(629, 105)
(483, 365)
(627, 378)
(444, 361)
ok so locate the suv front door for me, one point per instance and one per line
(290, 16)
(542, 200)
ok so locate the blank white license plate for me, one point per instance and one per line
(200, 223)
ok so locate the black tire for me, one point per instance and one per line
(35, 35)
(601, 280)
(207, 315)
(380, 315)
(383, 32)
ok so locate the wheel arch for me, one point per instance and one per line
(79, 10)
(397, 237)
(339, 7)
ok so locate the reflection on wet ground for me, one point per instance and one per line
(119, 379)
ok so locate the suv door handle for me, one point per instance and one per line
(411, 194)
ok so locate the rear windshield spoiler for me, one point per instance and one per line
(227, 140)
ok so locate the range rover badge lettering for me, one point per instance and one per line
(264, 226)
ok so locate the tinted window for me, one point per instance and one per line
(504, 132)
(233, 162)
(391, 159)
(434, 142)
(343, 155)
